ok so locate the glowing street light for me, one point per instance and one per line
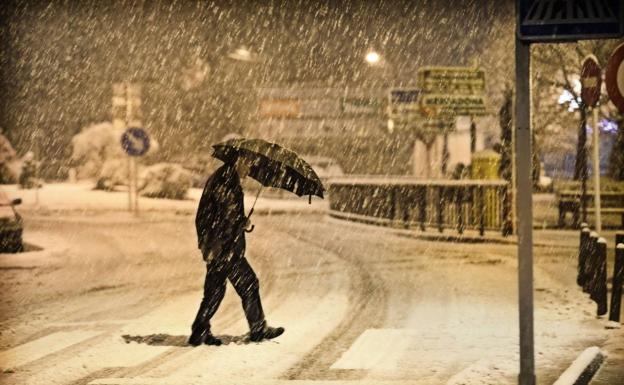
(243, 54)
(373, 57)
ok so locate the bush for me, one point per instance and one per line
(93, 146)
(114, 172)
(165, 180)
(97, 154)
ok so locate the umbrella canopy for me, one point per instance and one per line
(272, 165)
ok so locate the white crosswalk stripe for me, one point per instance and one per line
(34, 350)
(375, 349)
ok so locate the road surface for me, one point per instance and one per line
(110, 299)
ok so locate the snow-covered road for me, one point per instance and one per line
(110, 299)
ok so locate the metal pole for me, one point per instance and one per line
(445, 155)
(129, 163)
(597, 169)
(37, 161)
(136, 185)
(473, 135)
(126, 123)
(524, 200)
(582, 165)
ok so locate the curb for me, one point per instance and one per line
(581, 371)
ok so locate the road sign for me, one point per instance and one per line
(452, 80)
(135, 141)
(591, 80)
(454, 105)
(568, 20)
(614, 77)
(127, 104)
(403, 99)
(360, 105)
(418, 122)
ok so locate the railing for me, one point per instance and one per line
(408, 202)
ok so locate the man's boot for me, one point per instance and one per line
(212, 340)
(203, 336)
(264, 332)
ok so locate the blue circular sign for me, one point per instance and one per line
(135, 141)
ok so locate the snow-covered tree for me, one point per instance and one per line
(9, 162)
(557, 69)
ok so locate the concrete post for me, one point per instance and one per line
(590, 262)
(599, 290)
(582, 257)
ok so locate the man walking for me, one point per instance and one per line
(220, 224)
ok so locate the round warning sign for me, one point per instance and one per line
(614, 77)
(135, 141)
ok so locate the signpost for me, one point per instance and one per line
(544, 21)
(449, 92)
(591, 80)
(126, 103)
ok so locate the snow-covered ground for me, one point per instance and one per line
(82, 196)
(110, 298)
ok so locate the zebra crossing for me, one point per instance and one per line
(97, 353)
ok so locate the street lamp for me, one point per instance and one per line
(372, 57)
(244, 54)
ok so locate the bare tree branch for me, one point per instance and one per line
(570, 88)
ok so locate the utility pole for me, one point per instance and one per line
(524, 201)
(596, 143)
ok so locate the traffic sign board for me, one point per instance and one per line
(568, 20)
(456, 105)
(452, 80)
(614, 77)
(135, 141)
(404, 99)
(591, 80)
(423, 126)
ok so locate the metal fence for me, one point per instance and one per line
(408, 202)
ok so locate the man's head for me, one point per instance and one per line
(242, 166)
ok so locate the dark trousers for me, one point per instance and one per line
(233, 266)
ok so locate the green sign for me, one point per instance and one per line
(360, 105)
(454, 105)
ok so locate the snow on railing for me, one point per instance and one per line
(406, 201)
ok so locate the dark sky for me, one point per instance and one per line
(59, 58)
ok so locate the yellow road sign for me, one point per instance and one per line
(452, 80)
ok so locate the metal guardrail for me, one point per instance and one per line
(408, 202)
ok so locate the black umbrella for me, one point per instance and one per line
(272, 165)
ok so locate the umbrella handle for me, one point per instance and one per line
(254, 204)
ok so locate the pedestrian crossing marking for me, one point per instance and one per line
(231, 381)
(378, 349)
(115, 353)
(34, 350)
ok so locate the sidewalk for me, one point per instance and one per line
(82, 197)
(612, 369)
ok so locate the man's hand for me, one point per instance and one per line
(248, 226)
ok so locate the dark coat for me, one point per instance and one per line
(220, 218)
